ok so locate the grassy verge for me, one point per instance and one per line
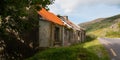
(90, 50)
(113, 34)
(96, 48)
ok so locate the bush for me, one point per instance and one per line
(90, 37)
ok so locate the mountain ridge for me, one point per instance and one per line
(100, 23)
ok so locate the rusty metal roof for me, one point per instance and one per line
(50, 16)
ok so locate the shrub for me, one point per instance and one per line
(90, 37)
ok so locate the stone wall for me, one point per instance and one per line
(44, 33)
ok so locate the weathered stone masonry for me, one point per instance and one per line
(58, 31)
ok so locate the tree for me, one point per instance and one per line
(18, 17)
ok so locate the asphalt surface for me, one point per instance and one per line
(113, 47)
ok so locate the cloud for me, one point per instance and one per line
(97, 2)
(65, 5)
(70, 5)
(85, 10)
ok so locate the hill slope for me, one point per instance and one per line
(100, 23)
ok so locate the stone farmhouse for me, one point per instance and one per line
(57, 31)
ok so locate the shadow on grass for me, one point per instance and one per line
(66, 53)
(74, 52)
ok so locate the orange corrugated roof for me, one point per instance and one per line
(50, 16)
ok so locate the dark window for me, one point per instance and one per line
(57, 34)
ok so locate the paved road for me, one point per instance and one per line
(113, 47)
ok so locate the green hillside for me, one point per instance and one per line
(100, 23)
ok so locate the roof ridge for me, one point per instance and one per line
(49, 16)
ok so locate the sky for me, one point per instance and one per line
(79, 11)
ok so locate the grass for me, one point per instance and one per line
(98, 33)
(113, 34)
(96, 48)
(106, 22)
(106, 32)
(90, 50)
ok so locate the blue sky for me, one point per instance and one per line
(79, 11)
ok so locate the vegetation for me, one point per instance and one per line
(99, 33)
(119, 26)
(113, 34)
(90, 50)
(104, 27)
(18, 17)
(100, 24)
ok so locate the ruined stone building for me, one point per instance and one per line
(58, 31)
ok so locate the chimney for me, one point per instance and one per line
(63, 17)
(66, 17)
